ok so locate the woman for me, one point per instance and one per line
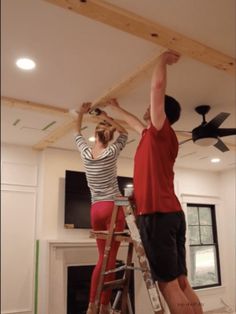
(100, 163)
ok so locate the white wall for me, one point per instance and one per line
(189, 183)
(228, 233)
(19, 169)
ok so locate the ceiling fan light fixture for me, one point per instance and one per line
(206, 141)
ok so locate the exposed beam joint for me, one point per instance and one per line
(113, 92)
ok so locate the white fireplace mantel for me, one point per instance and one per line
(63, 254)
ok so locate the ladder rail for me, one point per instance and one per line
(151, 286)
(127, 275)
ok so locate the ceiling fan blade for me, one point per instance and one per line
(218, 120)
(221, 146)
(226, 132)
(185, 141)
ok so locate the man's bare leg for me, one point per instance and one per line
(190, 294)
(175, 298)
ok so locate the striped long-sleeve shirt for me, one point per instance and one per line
(101, 173)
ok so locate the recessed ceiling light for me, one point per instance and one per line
(25, 64)
(215, 160)
(92, 139)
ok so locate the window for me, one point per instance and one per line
(204, 253)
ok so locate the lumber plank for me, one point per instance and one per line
(154, 32)
(113, 92)
(33, 106)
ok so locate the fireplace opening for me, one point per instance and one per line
(78, 286)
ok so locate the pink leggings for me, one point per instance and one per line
(100, 219)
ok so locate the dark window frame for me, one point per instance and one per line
(215, 243)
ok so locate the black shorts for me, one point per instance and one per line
(163, 237)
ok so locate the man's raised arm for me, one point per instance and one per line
(158, 87)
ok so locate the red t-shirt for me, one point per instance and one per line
(153, 171)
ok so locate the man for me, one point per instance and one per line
(160, 216)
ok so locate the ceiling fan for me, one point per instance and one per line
(209, 133)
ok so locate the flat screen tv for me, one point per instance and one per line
(78, 198)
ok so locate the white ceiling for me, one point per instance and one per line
(79, 59)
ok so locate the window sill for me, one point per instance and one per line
(210, 291)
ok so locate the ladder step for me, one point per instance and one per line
(115, 284)
(118, 236)
(122, 201)
(123, 267)
(105, 232)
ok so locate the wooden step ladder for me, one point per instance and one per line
(132, 237)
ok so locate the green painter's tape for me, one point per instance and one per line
(36, 279)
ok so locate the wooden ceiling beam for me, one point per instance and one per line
(121, 87)
(113, 92)
(33, 106)
(67, 127)
(141, 27)
(48, 109)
